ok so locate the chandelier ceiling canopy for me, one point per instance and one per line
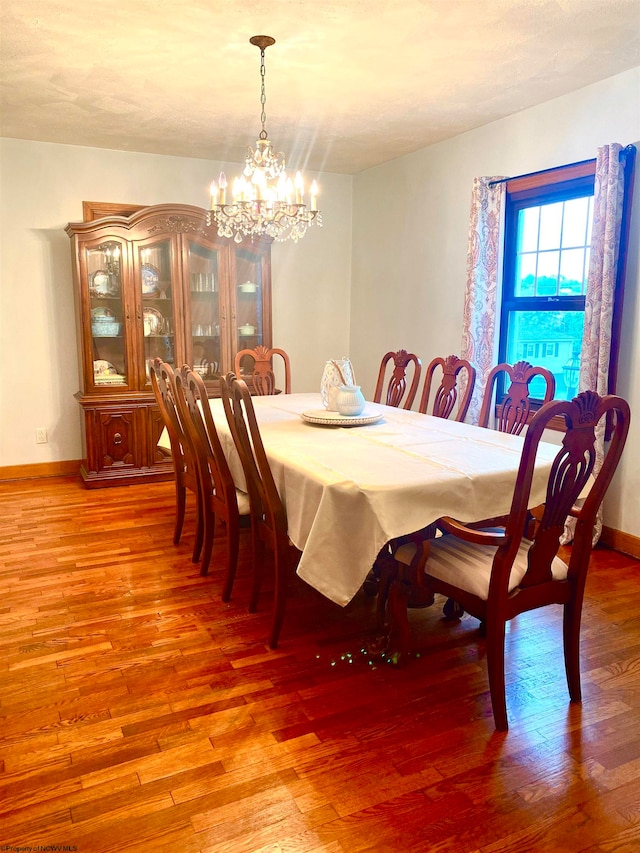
(263, 200)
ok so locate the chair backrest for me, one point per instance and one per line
(516, 406)
(267, 510)
(163, 384)
(396, 393)
(261, 378)
(202, 435)
(446, 396)
(570, 473)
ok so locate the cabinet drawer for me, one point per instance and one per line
(111, 439)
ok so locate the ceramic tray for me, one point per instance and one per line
(325, 418)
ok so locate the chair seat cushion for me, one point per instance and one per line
(243, 502)
(468, 566)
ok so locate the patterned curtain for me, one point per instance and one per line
(608, 196)
(481, 299)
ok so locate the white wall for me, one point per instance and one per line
(410, 241)
(42, 188)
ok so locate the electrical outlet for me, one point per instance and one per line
(41, 435)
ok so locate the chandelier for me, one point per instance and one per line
(264, 201)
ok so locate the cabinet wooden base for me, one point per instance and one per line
(120, 436)
(102, 479)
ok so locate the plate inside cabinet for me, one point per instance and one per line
(153, 322)
(150, 280)
(103, 283)
(104, 373)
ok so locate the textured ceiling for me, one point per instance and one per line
(349, 83)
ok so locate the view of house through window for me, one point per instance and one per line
(547, 241)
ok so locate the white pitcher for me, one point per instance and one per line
(350, 400)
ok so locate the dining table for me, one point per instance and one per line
(350, 485)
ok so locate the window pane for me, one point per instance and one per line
(528, 220)
(551, 339)
(550, 225)
(574, 228)
(526, 275)
(547, 282)
(549, 258)
(572, 272)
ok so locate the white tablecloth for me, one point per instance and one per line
(347, 491)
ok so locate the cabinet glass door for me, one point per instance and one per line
(249, 304)
(156, 289)
(204, 299)
(107, 315)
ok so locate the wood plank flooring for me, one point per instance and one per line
(138, 712)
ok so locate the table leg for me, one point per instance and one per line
(399, 588)
(399, 633)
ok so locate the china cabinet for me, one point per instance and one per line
(158, 282)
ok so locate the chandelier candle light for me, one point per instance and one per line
(265, 201)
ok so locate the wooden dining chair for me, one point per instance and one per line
(446, 396)
(396, 393)
(220, 498)
(268, 515)
(498, 574)
(513, 412)
(260, 377)
(184, 465)
(512, 416)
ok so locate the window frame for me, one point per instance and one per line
(552, 185)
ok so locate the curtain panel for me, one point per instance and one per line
(608, 198)
(481, 300)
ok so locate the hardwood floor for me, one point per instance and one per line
(138, 712)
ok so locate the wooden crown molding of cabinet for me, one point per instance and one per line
(98, 209)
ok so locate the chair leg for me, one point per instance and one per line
(571, 637)
(282, 570)
(199, 540)
(258, 571)
(452, 610)
(233, 548)
(181, 500)
(495, 666)
(209, 522)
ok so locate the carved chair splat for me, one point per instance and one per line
(397, 394)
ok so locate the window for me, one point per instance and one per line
(547, 241)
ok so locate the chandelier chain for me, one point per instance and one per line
(263, 97)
